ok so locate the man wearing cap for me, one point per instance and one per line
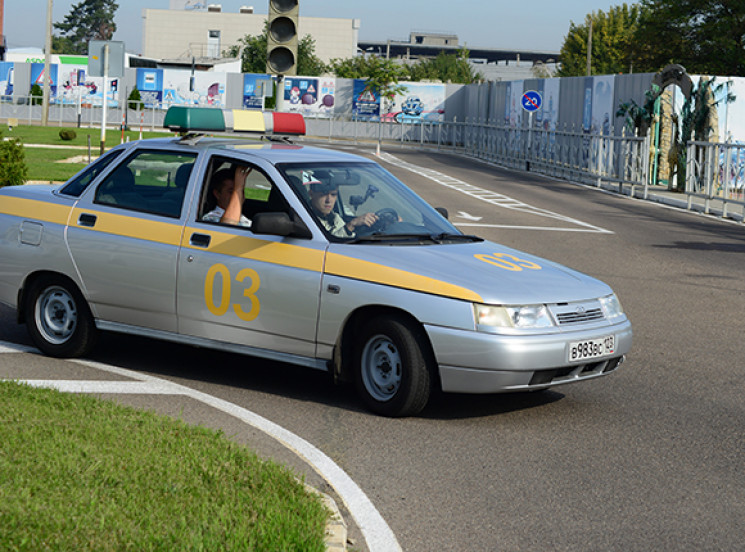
(322, 199)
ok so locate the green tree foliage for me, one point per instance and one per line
(639, 117)
(87, 20)
(252, 49)
(13, 169)
(705, 36)
(382, 75)
(613, 46)
(134, 101)
(446, 68)
(37, 95)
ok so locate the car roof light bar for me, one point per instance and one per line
(207, 119)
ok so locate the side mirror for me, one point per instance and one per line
(279, 224)
(442, 211)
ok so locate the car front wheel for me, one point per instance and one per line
(392, 372)
(59, 321)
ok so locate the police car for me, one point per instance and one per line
(370, 284)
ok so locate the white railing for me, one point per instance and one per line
(715, 172)
(567, 154)
(588, 158)
(27, 110)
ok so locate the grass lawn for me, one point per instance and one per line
(42, 163)
(80, 473)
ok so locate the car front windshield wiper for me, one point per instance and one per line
(450, 237)
(379, 237)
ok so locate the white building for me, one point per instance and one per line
(182, 34)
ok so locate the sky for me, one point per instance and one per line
(538, 25)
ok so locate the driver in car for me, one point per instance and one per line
(323, 197)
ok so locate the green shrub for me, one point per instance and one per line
(13, 169)
(37, 95)
(67, 134)
(134, 100)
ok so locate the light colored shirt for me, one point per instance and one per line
(216, 214)
(335, 225)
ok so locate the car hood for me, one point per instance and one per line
(482, 272)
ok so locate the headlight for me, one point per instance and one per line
(611, 307)
(528, 316)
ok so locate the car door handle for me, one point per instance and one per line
(87, 219)
(200, 240)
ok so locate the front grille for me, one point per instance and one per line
(579, 316)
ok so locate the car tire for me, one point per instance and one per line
(58, 318)
(392, 371)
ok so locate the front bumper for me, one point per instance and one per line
(477, 362)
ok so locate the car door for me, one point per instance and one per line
(245, 289)
(124, 237)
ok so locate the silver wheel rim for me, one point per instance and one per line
(56, 315)
(381, 368)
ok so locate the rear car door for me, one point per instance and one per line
(124, 237)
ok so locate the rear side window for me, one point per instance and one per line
(150, 182)
(77, 185)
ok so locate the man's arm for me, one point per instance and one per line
(234, 210)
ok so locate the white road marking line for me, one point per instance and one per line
(517, 227)
(377, 533)
(13, 348)
(488, 196)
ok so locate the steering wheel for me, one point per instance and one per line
(386, 217)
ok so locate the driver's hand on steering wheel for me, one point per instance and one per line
(368, 219)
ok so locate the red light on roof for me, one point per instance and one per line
(289, 123)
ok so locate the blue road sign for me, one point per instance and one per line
(531, 101)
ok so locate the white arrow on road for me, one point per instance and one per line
(463, 214)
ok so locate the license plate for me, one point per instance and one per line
(591, 348)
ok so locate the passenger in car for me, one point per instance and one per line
(226, 195)
(323, 197)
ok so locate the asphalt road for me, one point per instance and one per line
(649, 458)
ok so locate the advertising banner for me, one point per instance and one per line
(549, 112)
(207, 89)
(255, 88)
(150, 86)
(603, 113)
(365, 102)
(419, 101)
(313, 96)
(6, 79)
(37, 77)
(76, 86)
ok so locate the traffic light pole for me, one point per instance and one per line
(104, 93)
(279, 100)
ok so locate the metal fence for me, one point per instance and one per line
(715, 172)
(28, 110)
(588, 158)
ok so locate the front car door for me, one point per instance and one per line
(253, 293)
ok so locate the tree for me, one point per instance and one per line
(88, 20)
(612, 43)
(252, 49)
(382, 75)
(446, 68)
(705, 36)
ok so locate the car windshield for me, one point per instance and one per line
(364, 203)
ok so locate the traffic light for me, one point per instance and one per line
(281, 44)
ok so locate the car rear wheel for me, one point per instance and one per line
(392, 372)
(59, 321)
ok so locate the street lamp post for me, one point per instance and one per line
(47, 81)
